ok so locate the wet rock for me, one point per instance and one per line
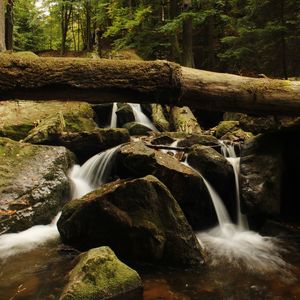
(124, 114)
(238, 136)
(261, 175)
(33, 183)
(137, 160)
(254, 124)
(159, 117)
(226, 127)
(77, 132)
(136, 128)
(139, 219)
(216, 170)
(99, 274)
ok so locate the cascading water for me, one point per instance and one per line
(24, 241)
(230, 155)
(140, 117)
(113, 119)
(93, 173)
(239, 247)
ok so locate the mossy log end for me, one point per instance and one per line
(100, 81)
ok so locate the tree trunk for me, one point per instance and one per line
(2, 26)
(184, 120)
(175, 49)
(187, 37)
(9, 25)
(88, 38)
(102, 81)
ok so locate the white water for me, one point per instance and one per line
(174, 144)
(241, 248)
(24, 241)
(113, 119)
(222, 214)
(230, 155)
(93, 173)
(140, 117)
(84, 179)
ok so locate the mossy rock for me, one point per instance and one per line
(139, 219)
(33, 183)
(99, 274)
(239, 136)
(225, 127)
(136, 128)
(18, 118)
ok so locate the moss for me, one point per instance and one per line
(260, 86)
(225, 127)
(16, 132)
(100, 275)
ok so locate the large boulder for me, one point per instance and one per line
(139, 219)
(33, 183)
(186, 185)
(124, 114)
(216, 170)
(136, 128)
(99, 274)
(261, 176)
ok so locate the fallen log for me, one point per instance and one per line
(100, 81)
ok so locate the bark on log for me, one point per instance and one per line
(184, 120)
(100, 81)
(159, 119)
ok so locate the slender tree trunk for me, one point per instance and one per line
(283, 41)
(211, 48)
(66, 11)
(187, 37)
(88, 25)
(9, 25)
(175, 49)
(2, 26)
(73, 31)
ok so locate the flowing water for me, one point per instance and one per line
(230, 155)
(140, 117)
(113, 119)
(242, 265)
(93, 173)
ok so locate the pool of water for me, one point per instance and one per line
(40, 275)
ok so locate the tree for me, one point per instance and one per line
(9, 25)
(2, 26)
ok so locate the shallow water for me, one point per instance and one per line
(40, 275)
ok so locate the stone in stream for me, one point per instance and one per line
(124, 114)
(33, 183)
(216, 170)
(187, 187)
(261, 176)
(99, 274)
(136, 128)
(139, 219)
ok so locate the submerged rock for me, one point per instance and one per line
(99, 274)
(139, 219)
(137, 160)
(33, 183)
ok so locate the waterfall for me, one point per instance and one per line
(240, 247)
(113, 118)
(230, 155)
(174, 144)
(84, 179)
(93, 173)
(24, 241)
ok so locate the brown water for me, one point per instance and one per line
(40, 275)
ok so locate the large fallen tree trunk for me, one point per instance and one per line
(99, 81)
